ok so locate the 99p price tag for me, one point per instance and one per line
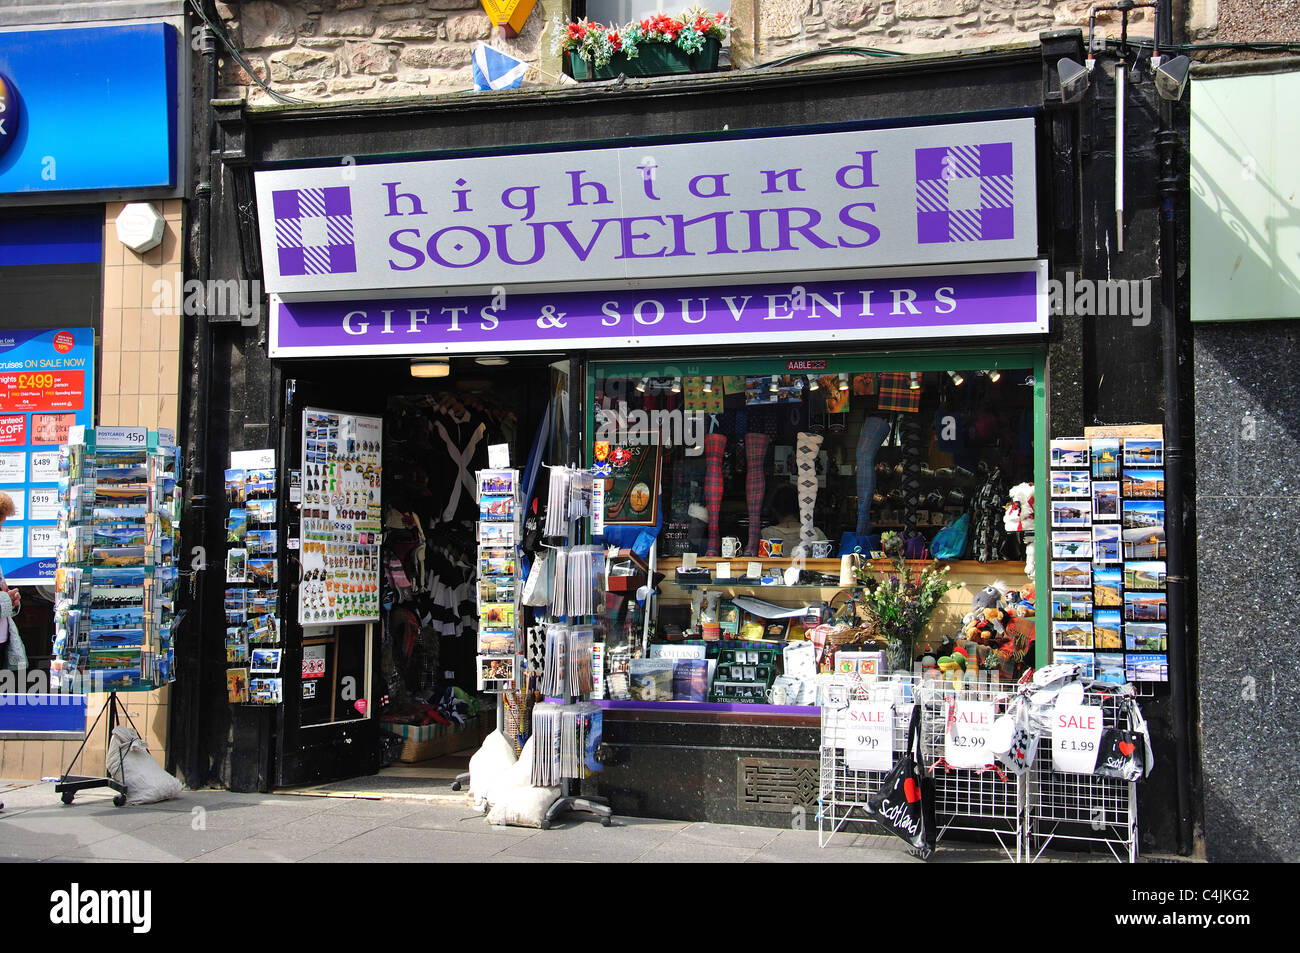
(1076, 738)
(869, 736)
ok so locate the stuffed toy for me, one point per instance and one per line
(1019, 514)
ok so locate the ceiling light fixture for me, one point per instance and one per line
(708, 384)
(492, 361)
(437, 367)
(956, 378)
(642, 384)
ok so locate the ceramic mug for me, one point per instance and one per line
(771, 547)
(821, 549)
(778, 695)
(730, 547)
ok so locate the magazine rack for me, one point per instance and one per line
(69, 784)
(571, 799)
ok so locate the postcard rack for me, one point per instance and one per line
(115, 584)
(568, 734)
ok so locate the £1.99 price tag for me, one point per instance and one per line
(869, 736)
(966, 734)
(1076, 738)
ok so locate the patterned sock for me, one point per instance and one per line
(874, 432)
(756, 445)
(806, 454)
(715, 444)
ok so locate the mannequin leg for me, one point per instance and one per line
(874, 431)
(808, 445)
(756, 445)
(715, 444)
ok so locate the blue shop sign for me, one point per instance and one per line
(88, 109)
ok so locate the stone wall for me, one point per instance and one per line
(331, 50)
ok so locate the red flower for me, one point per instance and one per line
(615, 40)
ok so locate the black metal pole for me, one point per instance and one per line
(1176, 578)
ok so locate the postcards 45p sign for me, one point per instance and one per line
(862, 199)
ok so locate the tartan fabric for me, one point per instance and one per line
(715, 445)
(808, 444)
(896, 393)
(756, 445)
(874, 432)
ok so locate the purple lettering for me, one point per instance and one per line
(415, 253)
(871, 231)
(785, 227)
(862, 170)
(629, 236)
(719, 185)
(680, 223)
(484, 246)
(503, 246)
(579, 187)
(566, 232)
(530, 200)
(791, 177)
(460, 197)
(394, 195)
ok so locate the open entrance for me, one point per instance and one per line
(387, 701)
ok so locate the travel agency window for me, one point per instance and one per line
(784, 499)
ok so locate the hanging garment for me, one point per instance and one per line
(989, 534)
(462, 464)
(756, 445)
(874, 431)
(807, 447)
(715, 445)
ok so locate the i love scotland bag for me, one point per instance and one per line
(904, 805)
(1120, 755)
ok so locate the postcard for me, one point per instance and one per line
(496, 673)
(1146, 636)
(116, 638)
(121, 493)
(1067, 513)
(1145, 606)
(497, 642)
(1105, 500)
(1070, 452)
(1106, 589)
(265, 661)
(498, 614)
(1073, 606)
(262, 571)
(237, 685)
(496, 483)
(235, 487)
(1071, 575)
(1106, 543)
(1071, 635)
(236, 525)
(266, 691)
(1144, 514)
(121, 617)
(1143, 484)
(129, 534)
(497, 509)
(496, 534)
(236, 652)
(261, 511)
(1105, 458)
(1110, 668)
(260, 541)
(236, 565)
(1146, 668)
(1144, 543)
(1085, 661)
(1148, 576)
(1070, 483)
(1144, 452)
(1072, 544)
(1106, 632)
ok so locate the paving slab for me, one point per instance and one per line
(408, 844)
(160, 844)
(679, 851)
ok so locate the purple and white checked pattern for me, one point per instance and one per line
(965, 193)
(313, 231)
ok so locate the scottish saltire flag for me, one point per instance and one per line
(495, 70)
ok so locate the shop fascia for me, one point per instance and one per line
(885, 233)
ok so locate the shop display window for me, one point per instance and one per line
(763, 475)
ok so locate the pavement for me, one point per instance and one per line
(214, 826)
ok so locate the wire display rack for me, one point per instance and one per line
(1082, 807)
(985, 801)
(843, 791)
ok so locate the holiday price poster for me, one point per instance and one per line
(47, 386)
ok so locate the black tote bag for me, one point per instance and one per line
(904, 805)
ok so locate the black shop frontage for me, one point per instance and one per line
(772, 268)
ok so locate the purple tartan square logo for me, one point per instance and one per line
(313, 231)
(965, 193)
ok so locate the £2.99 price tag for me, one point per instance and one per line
(966, 735)
(869, 736)
(1076, 738)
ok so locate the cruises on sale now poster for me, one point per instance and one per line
(47, 386)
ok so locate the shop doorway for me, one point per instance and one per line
(412, 666)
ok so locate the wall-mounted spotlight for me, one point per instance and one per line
(642, 384)
(1171, 78)
(915, 382)
(774, 386)
(813, 383)
(844, 382)
(995, 375)
(1074, 79)
(957, 379)
(708, 384)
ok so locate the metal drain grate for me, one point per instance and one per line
(764, 784)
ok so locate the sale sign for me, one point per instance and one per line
(1076, 738)
(47, 386)
(966, 735)
(13, 430)
(869, 736)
